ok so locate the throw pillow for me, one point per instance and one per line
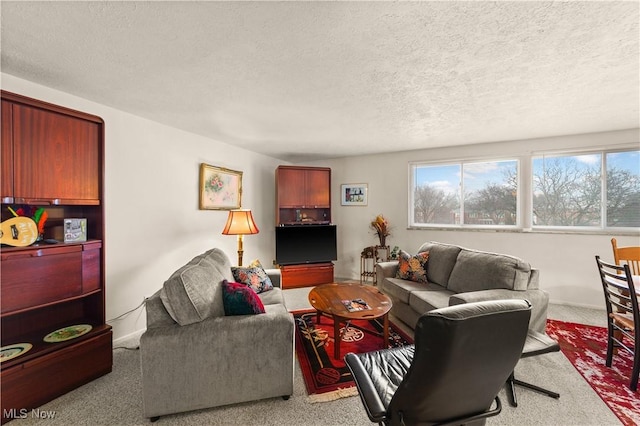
(413, 268)
(239, 299)
(254, 276)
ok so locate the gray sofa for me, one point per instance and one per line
(194, 357)
(458, 275)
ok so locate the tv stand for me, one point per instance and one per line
(306, 274)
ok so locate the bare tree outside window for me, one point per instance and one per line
(491, 190)
(623, 189)
(590, 190)
(568, 190)
(436, 194)
(490, 193)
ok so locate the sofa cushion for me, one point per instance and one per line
(412, 268)
(254, 276)
(240, 299)
(400, 289)
(442, 258)
(476, 270)
(193, 292)
(433, 297)
(272, 297)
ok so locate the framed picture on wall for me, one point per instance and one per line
(354, 194)
(220, 189)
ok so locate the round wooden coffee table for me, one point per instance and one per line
(328, 299)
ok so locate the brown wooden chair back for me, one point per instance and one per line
(627, 255)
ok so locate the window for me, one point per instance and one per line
(623, 189)
(469, 193)
(567, 190)
(588, 190)
(580, 191)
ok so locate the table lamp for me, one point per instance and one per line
(240, 223)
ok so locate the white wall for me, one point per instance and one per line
(153, 224)
(566, 261)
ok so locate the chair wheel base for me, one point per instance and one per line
(511, 390)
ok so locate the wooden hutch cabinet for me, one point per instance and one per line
(303, 197)
(52, 157)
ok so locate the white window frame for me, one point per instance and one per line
(524, 206)
(413, 165)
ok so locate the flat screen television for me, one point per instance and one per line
(306, 244)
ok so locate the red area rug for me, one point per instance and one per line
(325, 377)
(586, 347)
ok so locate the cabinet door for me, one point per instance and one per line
(7, 154)
(318, 184)
(56, 157)
(291, 187)
(36, 276)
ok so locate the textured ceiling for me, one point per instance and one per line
(310, 80)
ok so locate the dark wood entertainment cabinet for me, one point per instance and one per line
(305, 275)
(303, 197)
(52, 157)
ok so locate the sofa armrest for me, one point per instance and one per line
(275, 276)
(386, 270)
(252, 355)
(157, 314)
(539, 300)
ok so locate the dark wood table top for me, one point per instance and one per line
(328, 299)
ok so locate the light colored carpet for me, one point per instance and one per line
(116, 399)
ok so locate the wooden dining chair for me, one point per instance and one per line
(623, 316)
(629, 255)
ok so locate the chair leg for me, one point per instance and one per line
(511, 390)
(636, 369)
(610, 337)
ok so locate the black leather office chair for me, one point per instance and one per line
(462, 357)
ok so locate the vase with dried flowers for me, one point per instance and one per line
(381, 227)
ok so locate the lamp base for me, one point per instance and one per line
(240, 249)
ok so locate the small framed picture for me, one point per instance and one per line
(354, 194)
(220, 189)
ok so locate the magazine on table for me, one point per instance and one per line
(356, 305)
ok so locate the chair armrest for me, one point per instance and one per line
(539, 300)
(275, 276)
(376, 410)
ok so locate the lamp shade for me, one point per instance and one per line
(240, 222)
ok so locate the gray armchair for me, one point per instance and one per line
(212, 359)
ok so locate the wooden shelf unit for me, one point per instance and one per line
(52, 157)
(303, 197)
(369, 258)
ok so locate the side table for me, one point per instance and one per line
(368, 259)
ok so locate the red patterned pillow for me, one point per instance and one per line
(413, 268)
(239, 299)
